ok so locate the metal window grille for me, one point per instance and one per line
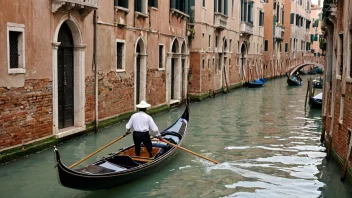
(13, 42)
(119, 55)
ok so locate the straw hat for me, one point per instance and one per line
(143, 104)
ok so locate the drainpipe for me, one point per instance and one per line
(95, 68)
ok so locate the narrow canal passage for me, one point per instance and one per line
(268, 143)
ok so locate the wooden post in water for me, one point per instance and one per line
(305, 104)
(347, 159)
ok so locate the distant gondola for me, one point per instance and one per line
(123, 166)
(316, 101)
(292, 81)
(256, 83)
(318, 83)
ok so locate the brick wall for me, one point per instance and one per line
(25, 112)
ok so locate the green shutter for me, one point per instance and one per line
(292, 18)
(286, 47)
(173, 4)
(245, 11)
(215, 6)
(226, 7)
(250, 12)
(274, 23)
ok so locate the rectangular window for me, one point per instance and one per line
(230, 46)
(250, 12)
(180, 5)
(341, 54)
(208, 62)
(141, 6)
(216, 41)
(213, 64)
(15, 48)
(292, 18)
(203, 3)
(266, 45)
(230, 63)
(203, 63)
(153, 3)
(121, 3)
(120, 55)
(209, 42)
(261, 18)
(350, 47)
(286, 47)
(161, 56)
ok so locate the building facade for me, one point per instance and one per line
(225, 48)
(337, 93)
(72, 63)
(315, 29)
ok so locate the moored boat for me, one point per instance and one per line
(316, 101)
(293, 81)
(256, 83)
(123, 166)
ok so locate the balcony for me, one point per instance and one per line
(279, 32)
(246, 28)
(220, 21)
(84, 7)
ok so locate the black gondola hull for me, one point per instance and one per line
(72, 179)
(314, 104)
(83, 180)
(291, 82)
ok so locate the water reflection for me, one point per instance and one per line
(267, 141)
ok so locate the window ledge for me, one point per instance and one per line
(161, 69)
(349, 79)
(17, 71)
(118, 8)
(120, 70)
(177, 12)
(137, 14)
(154, 8)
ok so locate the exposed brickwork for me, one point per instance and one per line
(156, 87)
(25, 112)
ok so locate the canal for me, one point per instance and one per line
(267, 142)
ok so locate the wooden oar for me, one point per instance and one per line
(97, 151)
(174, 145)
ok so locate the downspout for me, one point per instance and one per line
(95, 68)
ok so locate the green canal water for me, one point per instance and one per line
(267, 142)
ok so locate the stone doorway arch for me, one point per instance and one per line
(174, 73)
(68, 54)
(243, 61)
(140, 70)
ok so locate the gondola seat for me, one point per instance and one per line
(123, 161)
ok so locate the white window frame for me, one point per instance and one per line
(123, 55)
(14, 27)
(163, 58)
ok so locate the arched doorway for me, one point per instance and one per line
(65, 77)
(140, 71)
(243, 61)
(184, 70)
(174, 63)
(68, 55)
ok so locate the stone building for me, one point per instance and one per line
(50, 50)
(315, 29)
(337, 93)
(225, 45)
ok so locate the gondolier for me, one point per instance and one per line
(142, 123)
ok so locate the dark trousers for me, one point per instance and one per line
(138, 138)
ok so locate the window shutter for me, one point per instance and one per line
(173, 4)
(274, 23)
(266, 45)
(245, 7)
(215, 6)
(250, 12)
(292, 18)
(286, 47)
(226, 7)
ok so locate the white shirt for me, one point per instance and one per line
(142, 122)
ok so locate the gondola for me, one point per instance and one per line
(123, 166)
(318, 83)
(316, 101)
(292, 81)
(256, 83)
